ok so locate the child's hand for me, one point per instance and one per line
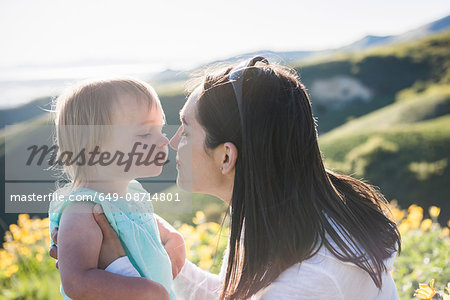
(173, 244)
(111, 248)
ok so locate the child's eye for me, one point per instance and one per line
(143, 135)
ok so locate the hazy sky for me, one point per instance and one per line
(189, 32)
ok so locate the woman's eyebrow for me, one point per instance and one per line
(183, 120)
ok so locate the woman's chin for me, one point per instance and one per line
(184, 184)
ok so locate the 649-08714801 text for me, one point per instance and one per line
(33, 197)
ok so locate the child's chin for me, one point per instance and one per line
(153, 173)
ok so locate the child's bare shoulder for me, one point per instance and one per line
(80, 207)
(78, 217)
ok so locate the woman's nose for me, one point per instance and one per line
(175, 140)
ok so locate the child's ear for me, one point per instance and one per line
(229, 158)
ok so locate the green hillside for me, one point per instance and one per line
(409, 162)
(384, 71)
(25, 112)
(410, 107)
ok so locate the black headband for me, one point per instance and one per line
(237, 78)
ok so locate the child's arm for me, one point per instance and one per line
(173, 244)
(79, 243)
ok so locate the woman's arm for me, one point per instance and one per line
(191, 282)
(196, 284)
(79, 244)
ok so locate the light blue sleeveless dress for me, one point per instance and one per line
(134, 223)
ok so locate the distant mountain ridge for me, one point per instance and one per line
(289, 57)
(368, 41)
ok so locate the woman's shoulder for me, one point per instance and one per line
(303, 281)
(323, 276)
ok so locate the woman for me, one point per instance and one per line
(298, 231)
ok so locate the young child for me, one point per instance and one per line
(111, 119)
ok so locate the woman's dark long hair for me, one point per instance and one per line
(284, 202)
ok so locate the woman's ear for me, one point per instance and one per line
(229, 157)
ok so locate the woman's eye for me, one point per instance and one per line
(143, 135)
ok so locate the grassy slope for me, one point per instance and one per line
(433, 102)
(384, 70)
(409, 162)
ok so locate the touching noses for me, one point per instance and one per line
(164, 141)
(175, 140)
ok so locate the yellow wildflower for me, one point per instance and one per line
(39, 257)
(10, 246)
(6, 259)
(44, 223)
(40, 249)
(445, 232)
(23, 219)
(8, 236)
(16, 231)
(28, 239)
(414, 219)
(205, 251)
(11, 270)
(47, 239)
(214, 227)
(205, 264)
(398, 214)
(199, 218)
(186, 230)
(404, 227)
(426, 224)
(415, 208)
(425, 291)
(24, 251)
(434, 211)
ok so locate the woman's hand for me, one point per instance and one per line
(111, 248)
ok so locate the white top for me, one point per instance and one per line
(323, 276)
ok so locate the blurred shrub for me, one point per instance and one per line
(27, 272)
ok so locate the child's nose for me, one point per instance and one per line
(164, 141)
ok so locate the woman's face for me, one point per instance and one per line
(198, 171)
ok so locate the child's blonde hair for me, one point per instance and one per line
(81, 111)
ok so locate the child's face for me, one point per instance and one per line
(136, 129)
